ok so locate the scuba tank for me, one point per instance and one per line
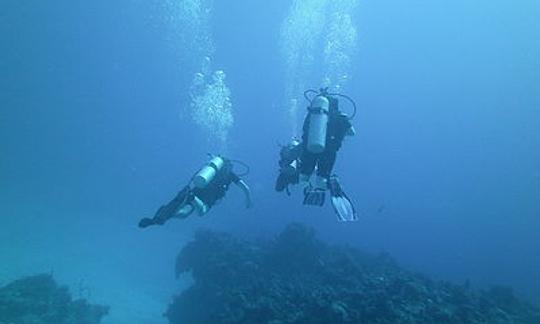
(208, 172)
(318, 124)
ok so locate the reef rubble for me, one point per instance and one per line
(39, 300)
(297, 279)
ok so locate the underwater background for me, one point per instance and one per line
(108, 107)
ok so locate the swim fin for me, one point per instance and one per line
(145, 222)
(340, 201)
(314, 196)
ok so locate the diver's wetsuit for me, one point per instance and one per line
(216, 189)
(338, 126)
(297, 164)
(208, 195)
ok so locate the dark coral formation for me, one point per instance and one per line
(39, 300)
(297, 279)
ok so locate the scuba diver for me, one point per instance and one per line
(323, 132)
(207, 186)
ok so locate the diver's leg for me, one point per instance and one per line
(158, 219)
(184, 211)
(307, 165)
(162, 217)
(326, 163)
(314, 193)
(169, 210)
(201, 207)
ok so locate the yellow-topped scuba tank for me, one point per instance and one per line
(318, 124)
(208, 172)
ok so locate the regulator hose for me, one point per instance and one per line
(307, 92)
(310, 99)
(353, 103)
(247, 169)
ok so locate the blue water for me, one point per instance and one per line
(95, 133)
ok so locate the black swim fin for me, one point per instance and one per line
(145, 222)
(314, 196)
(340, 201)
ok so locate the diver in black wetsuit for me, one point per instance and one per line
(207, 187)
(324, 130)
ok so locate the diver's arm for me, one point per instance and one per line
(245, 188)
(349, 126)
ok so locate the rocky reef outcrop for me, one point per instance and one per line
(39, 300)
(297, 279)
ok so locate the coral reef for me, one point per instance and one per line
(39, 300)
(298, 279)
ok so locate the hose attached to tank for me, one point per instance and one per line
(323, 91)
(307, 92)
(353, 103)
(247, 169)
